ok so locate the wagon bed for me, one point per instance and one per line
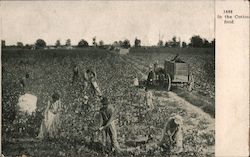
(178, 71)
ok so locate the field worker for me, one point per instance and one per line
(136, 82)
(151, 76)
(149, 99)
(85, 103)
(24, 81)
(176, 56)
(50, 122)
(108, 125)
(96, 90)
(85, 79)
(161, 77)
(75, 74)
(172, 138)
(156, 66)
(177, 59)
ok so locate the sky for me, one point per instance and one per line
(109, 21)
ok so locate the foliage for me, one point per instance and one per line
(137, 42)
(213, 43)
(40, 44)
(68, 42)
(167, 44)
(94, 41)
(174, 42)
(83, 43)
(160, 43)
(125, 43)
(28, 46)
(3, 43)
(19, 45)
(197, 41)
(101, 44)
(58, 43)
(184, 44)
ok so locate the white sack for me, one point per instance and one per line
(27, 103)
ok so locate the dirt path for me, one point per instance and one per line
(188, 107)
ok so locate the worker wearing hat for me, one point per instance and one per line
(75, 74)
(108, 125)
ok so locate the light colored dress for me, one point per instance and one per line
(51, 120)
(95, 87)
(136, 82)
(149, 99)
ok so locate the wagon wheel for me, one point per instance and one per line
(168, 82)
(191, 83)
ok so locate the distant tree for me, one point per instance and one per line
(27, 46)
(115, 43)
(174, 42)
(40, 44)
(160, 43)
(137, 42)
(3, 43)
(184, 44)
(120, 43)
(19, 45)
(196, 41)
(68, 42)
(126, 43)
(174, 39)
(94, 41)
(178, 44)
(213, 43)
(206, 43)
(101, 44)
(58, 43)
(83, 43)
(167, 44)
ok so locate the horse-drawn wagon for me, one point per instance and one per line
(174, 72)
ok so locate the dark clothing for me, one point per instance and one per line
(107, 114)
(172, 126)
(151, 78)
(161, 79)
(150, 75)
(23, 82)
(75, 74)
(75, 70)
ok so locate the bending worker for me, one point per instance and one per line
(108, 125)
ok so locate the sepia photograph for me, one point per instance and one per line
(108, 78)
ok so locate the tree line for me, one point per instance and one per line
(195, 41)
